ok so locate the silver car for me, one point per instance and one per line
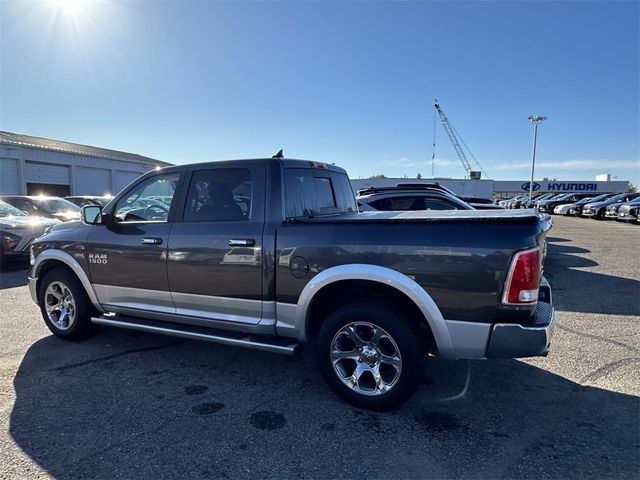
(18, 230)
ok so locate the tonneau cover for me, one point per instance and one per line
(421, 216)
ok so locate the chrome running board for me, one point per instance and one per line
(280, 345)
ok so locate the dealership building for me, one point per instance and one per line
(33, 166)
(502, 188)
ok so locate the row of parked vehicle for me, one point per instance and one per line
(24, 218)
(624, 207)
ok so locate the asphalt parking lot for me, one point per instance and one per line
(126, 404)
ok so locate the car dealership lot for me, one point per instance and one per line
(125, 404)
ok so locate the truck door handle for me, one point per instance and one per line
(151, 241)
(242, 242)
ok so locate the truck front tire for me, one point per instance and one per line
(370, 356)
(64, 304)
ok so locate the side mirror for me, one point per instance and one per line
(92, 214)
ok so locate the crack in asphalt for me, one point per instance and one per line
(116, 355)
(596, 337)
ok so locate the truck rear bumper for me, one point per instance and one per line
(509, 340)
(474, 340)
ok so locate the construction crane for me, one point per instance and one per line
(453, 136)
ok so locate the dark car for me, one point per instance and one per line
(272, 254)
(17, 231)
(576, 208)
(550, 196)
(547, 206)
(480, 203)
(611, 211)
(628, 212)
(598, 210)
(41, 206)
(531, 203)
(410, 197)
(82, 200)
(517, 202)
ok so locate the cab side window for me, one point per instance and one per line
(150, 201)
(219, 195)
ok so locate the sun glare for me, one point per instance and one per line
(69, 7)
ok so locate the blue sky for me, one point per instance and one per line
(351, 82)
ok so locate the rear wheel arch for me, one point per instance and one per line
(364, 292)
(345, 282)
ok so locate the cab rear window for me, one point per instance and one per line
(309, 193)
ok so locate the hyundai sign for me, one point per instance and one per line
(527, 186)
(560, 186)
(563, 187)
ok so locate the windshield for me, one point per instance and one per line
(7, 210)
(55, 205)
(599, 198)
(616, 198)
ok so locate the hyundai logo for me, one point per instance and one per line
(526, 185)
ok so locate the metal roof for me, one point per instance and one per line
(68, 147)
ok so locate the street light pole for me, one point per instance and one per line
(536, 120)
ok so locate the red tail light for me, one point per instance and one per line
(523, 280)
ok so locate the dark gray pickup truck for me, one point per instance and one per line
(272, 254)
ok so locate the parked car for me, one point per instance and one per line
(17, 231)
(597, 210)
(374, 292)
(552, 196)
(408, 197)
(628, 212)
(41, 206)
(576, 208)
(531, 203)
(82, 200)
(611, 211)
(565, 208)
(519, 201)
(480, 203)
(547, 206)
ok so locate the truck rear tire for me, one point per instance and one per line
(65, 305)
(370, 356)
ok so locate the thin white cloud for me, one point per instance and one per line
(396, 162)
(571, 164)
(442, 162)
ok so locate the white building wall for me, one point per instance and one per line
(89, 180)
(85, 175)
(9, 175)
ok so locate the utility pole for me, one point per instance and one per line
(535, 120)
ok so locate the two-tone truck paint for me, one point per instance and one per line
(272, 254)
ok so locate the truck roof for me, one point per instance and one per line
(285, 162)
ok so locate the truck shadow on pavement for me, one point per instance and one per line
(129, 405)
(588, 291)
(13, 276)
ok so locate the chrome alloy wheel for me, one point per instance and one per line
(60, 305)
(366, 358)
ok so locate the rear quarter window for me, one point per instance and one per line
(310, 193)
